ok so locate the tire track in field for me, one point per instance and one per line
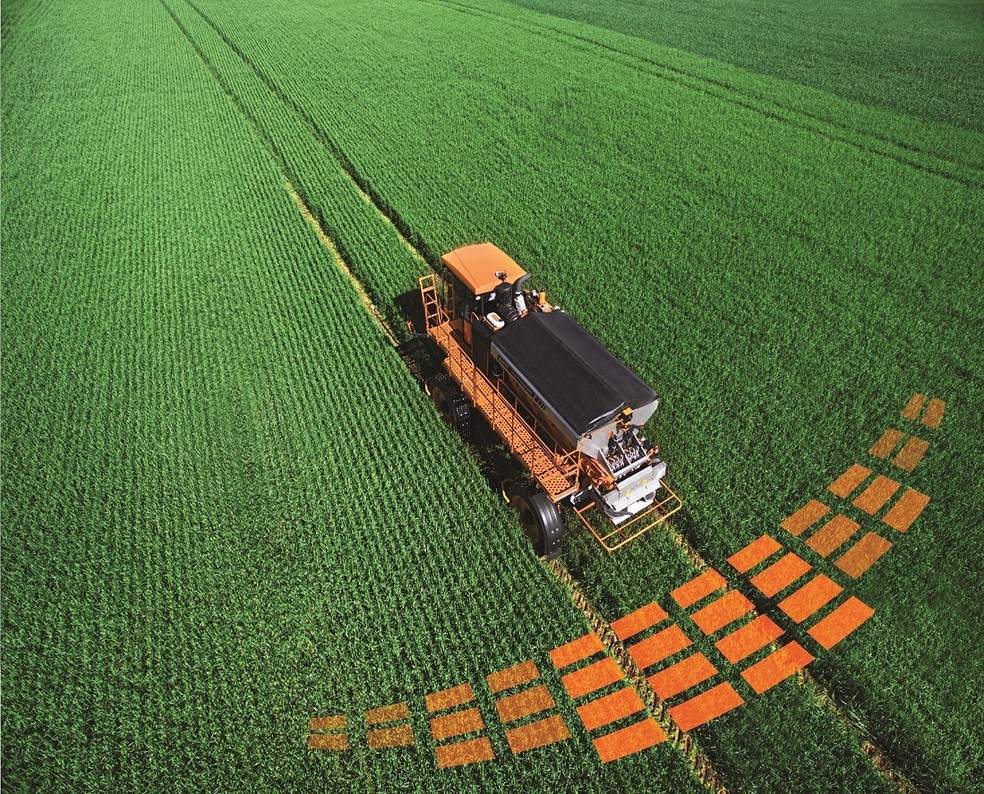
(694, 756)
(306, 211)
(341, 264)
(410, 239)
(888, 769)
(899, 517)
(264, 139)
(886, 766)
(785, 615)
(718, 89)
(682, 740)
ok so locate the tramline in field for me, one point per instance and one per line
(568, 409)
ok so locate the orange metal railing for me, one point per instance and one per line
(434, 313)
(553, 467)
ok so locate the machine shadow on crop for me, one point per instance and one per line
(424, 360)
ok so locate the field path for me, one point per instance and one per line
(778, 579)
(934, 161)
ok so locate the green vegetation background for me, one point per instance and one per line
(226, 506)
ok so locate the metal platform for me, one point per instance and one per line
(556, 470)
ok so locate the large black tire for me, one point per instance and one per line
(451, 404)
(542, 522)
(422, 357)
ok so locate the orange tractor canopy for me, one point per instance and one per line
(564, 405)
(478, 267)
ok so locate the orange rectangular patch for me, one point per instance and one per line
(446, 698)
(513, 676)
(328, 741)
(906, 510)
(524, 703)
(886, 445)
(637, 621)
(832, 535)
(780, 574)
(863, 554)
(659, 646)
(914, 406)
(537, 734)
(720, 613)
(875, 495)
(398, 711)
(841, 622)
(743, 642)
(910, 455)
(805, 517)
(335, 723)
(754, 553)
(591, 678)
(706, 706)
(810, 597)
(396, 736)
(698, 587)
(456, 724)
(627, 741)
(844, 485)
(607, 709)
(681, 676)
(576, 650)
(461, 753)
(934, 413)
(776, 667)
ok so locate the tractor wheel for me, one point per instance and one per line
(541, 521)
(451, 404)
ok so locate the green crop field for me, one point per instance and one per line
(228, 508)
